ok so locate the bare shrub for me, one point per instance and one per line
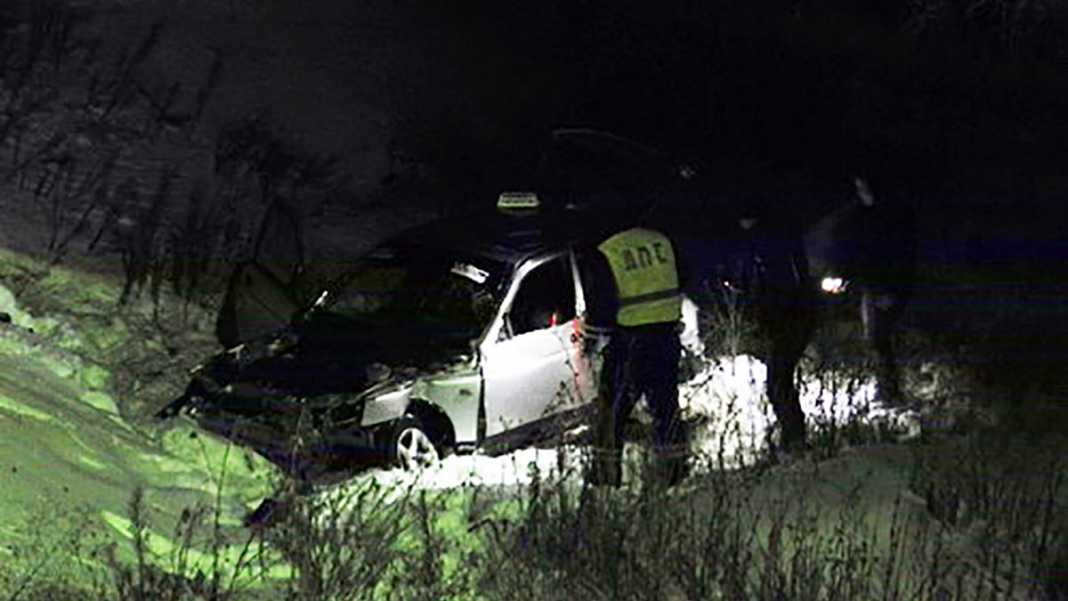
(1004, 494)
(714, 540)
(1019, 28)
(734, 535)
(339, 548)
(32, 566)
(112, 156)
(727, 322)
(71, 110)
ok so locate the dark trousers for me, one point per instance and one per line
(880, 310)
(640, 361)
(787, 317)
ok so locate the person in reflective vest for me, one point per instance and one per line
(633, 279)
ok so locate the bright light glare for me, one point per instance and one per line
(833, 285)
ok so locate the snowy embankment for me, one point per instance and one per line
(70, 459)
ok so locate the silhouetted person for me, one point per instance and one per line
(877, 254)
(746, 248)
(784, 301)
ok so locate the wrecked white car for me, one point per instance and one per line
(454, 336)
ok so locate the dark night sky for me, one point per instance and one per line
(957, 107)
(468, 86)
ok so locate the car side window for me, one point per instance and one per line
(546, 297)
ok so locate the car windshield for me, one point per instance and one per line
(424, 288)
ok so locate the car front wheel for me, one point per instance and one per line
(412, 448)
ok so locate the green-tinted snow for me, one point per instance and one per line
(166, 550)
(64, 446)
(69, 461)
(17, 410)
(100, 401)
(8, 305)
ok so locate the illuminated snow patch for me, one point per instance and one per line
(512, 469)
(507, 474)
(727, 395)
(690, 338)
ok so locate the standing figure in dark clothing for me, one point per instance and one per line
(886, 274)
(635, 300)
(746, 248)
(872, 244)
(784, 305)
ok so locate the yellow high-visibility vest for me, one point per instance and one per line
(643, 265)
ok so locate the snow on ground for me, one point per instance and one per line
(69, 459)
(727, 396)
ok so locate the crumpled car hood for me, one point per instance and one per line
(326, 356)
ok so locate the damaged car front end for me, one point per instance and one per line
(434, 344)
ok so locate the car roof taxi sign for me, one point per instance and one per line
(518, 201)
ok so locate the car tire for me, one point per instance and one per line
(411, 445)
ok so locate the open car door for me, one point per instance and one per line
(532, 364)
(260, 295)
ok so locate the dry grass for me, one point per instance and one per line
(990, 526)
